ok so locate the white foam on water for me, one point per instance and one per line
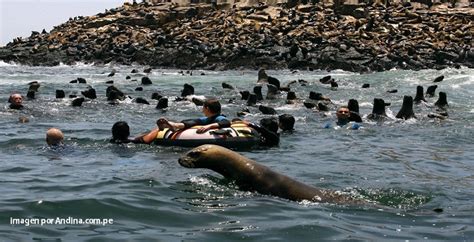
(2, 63)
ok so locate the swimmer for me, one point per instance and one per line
(213, 119)
(54, 137)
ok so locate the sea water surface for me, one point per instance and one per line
(421, 170)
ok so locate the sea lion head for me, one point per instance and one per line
(200, 157)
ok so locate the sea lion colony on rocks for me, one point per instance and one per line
(369, 38)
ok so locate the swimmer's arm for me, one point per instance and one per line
(146, 138)
(207, 127)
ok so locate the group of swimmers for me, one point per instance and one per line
(213, 119)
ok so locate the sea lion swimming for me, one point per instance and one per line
(252, 176)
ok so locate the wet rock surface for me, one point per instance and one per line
(367, 38)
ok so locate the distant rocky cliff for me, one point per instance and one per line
(355, 37)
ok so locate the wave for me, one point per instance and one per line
(2, 64)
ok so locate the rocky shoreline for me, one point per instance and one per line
(358, 38)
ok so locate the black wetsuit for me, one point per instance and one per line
(218, 118)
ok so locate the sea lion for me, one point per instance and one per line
(272, 91)
(438, 79)
(430, 92)
(353, 105)
(309, 105)
(419, 95)
(162, 103)
(90, 93)
(442, 101)
(258, 91)
(252, 100)
(245, 95)
(378, 111)
(227, 86)
(264, 78)
(267, 110)
(146, 81)
(77, 102)
(325, 80)
(60, 93)
(406, 112)
(252, 176)
(187, 90)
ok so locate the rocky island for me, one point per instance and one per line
(318, 35)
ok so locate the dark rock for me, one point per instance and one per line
(128, 78)
(81, 80)
(365, 85)
(133, 71)
(109, 82)
(139, 89)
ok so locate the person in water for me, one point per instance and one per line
(213, 119)
(343, 118)
(121, 135)
(16, 101)
(54, 137)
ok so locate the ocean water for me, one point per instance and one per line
(421, 170)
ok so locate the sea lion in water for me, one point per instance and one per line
(252, 176)
(419, 95)
(378, 111)
(406, 112)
